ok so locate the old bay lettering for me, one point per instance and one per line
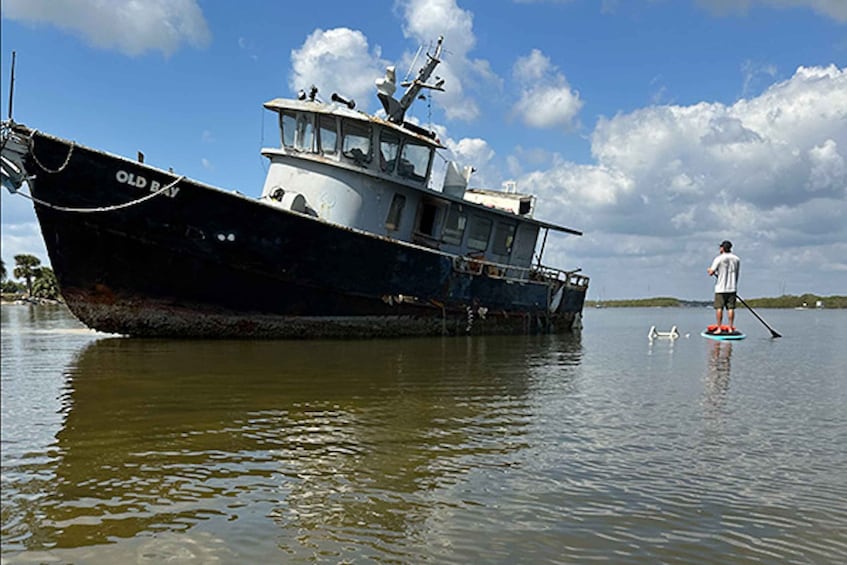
(139, 181)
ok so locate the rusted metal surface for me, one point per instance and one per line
(147, 318)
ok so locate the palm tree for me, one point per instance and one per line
(46, 285)
(27, 268)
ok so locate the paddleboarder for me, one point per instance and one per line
(726, 267)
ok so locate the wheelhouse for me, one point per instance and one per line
(330, 132)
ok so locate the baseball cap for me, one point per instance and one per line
(726, 245)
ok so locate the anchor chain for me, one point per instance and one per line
(104, 208)
(38, 161)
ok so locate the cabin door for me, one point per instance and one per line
(428, 223)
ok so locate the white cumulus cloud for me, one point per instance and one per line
(337, 60)
(547, 100)
(763, 150)
(425, 21)
(467, 151)
(471, 150)
(827, 168)
(129, 26)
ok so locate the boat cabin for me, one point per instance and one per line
(362, 172)
(371, 174)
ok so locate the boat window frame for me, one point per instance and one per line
(449, 234)
(409, 169)
(502, 242)
(302, 128)
(388, 141)
(323, 121)
(365, 133)
(474, 221)
(284, 117)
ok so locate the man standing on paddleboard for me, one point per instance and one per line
(726, 267)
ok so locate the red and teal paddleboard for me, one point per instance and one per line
(726, 333)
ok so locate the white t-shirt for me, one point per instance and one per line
(727, 266)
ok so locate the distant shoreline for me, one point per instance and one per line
(13, 298)
(804, 301)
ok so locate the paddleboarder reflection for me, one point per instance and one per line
(717, 378)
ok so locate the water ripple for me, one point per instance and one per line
(496, 450)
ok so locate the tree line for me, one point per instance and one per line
(36, 281)
(785, 301)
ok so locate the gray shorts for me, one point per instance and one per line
(725, 300)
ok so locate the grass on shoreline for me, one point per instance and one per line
(786, 301)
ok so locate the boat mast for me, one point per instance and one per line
(12, 87)
(395, 109)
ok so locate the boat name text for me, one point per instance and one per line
(141, 182)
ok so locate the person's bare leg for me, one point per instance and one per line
(719, 318)
(730, 314)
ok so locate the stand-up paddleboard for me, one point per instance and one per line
(725, 334)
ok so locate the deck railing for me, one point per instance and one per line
(478, 267)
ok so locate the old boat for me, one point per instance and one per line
(348, 237)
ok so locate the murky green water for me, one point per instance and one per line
(540, 449)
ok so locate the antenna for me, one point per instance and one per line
(12, 86)
(412, 65)
(397, 110)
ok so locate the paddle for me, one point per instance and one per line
(774, 333)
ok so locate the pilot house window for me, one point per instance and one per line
(328, 134)
(356, 142)
(414, 161)
(389, 146)
(298, 131)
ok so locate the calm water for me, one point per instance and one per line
(565, 449)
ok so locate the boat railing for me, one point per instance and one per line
(573, 278)
(477, 267)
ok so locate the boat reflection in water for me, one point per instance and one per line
(295, 446)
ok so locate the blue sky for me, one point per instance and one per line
(657, 127)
